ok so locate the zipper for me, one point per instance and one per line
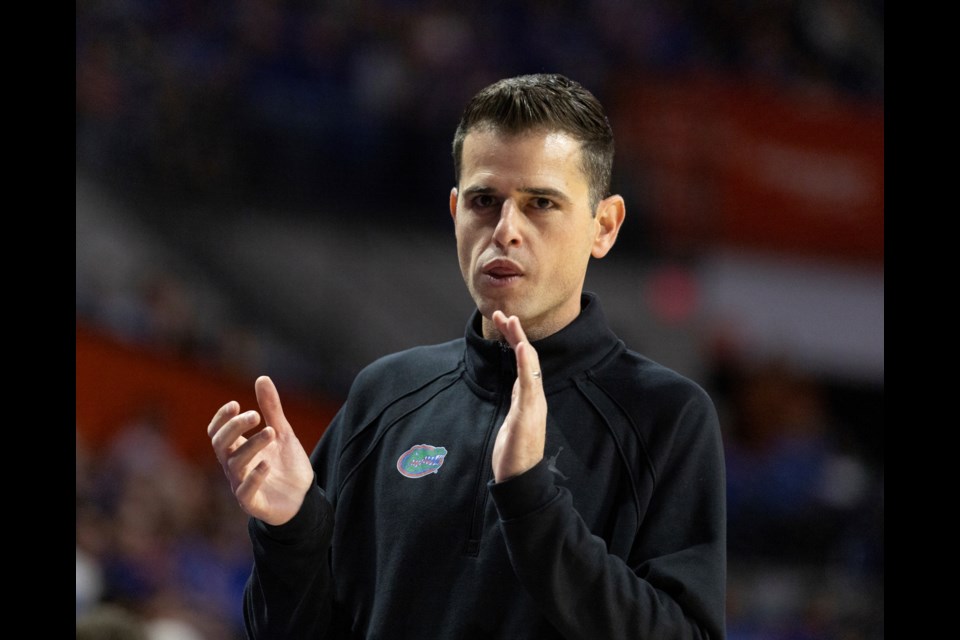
(508, 374)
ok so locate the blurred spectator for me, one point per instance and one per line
(110, 622)
(89, 581)
(156, 536)
(793, 490)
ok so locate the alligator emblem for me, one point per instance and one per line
(421, 460)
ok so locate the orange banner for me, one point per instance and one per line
(118, 385)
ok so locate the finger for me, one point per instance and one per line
(508, 328)
(269, 401)
(226, 412)
(528, 361)
(230, 436)
(247, 489)
(528, 371)
(244, 454)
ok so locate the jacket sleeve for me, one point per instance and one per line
(289, 595)
(289, 592)
(673, 583)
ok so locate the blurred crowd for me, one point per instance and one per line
(356, 102)
(161, 543)
(805, 510)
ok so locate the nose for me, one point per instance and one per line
(507, 232)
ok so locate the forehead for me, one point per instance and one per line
(537, 155)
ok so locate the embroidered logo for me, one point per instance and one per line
(552, 464)
(421, 460)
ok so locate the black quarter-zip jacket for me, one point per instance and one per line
(620, 532)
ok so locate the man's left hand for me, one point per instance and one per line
(521, 439)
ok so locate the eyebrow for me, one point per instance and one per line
(477, 191)
(533, 191)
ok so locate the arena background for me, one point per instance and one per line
(262, 187)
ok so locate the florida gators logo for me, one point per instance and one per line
(421, 460)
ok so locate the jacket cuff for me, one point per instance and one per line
(314, 513)
(524, 493)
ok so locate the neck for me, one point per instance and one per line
(534, 330)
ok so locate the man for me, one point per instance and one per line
(534, 479)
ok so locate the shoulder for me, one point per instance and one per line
(635, 380)
(400, 373)
(667, 411)
(674, 420)
(420, 361)
(396, 379)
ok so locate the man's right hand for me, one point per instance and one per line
(269, 472)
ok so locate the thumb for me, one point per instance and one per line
(269, 401)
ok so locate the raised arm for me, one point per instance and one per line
(670, 585)
(288, 594)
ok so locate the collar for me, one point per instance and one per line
(568, 352)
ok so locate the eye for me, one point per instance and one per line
(541, 203)
(483, 201)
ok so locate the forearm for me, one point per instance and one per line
(588, 593)
(289, 592)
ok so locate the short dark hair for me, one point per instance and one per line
(546, 101)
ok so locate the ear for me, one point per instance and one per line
(610, 214)
(453, 203)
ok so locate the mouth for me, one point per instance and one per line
(501, 272)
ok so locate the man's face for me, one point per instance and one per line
(525, 230)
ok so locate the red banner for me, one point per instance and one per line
(119, 385)
(738, 166)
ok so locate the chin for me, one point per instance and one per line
(488, 305)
